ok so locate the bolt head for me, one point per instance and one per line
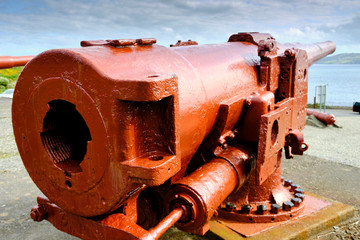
(296, 201)
(287, 206)
(230, 206)
(34, 214)
(275, 208)
(299, 190)
(294, 186)
(300, 195)
(245, 209)
(289, 52)
(270, 46)
(261, 209)
(38, 213)
(287, 182)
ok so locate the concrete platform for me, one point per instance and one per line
(299, 228)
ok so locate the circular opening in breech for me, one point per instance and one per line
(65, 135)
(274, 132)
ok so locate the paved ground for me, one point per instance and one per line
(336, 144)
(330, 168)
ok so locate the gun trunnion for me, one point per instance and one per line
(126, 138)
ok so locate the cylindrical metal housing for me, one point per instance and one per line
(201, 193)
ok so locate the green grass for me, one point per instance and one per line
(11, 74)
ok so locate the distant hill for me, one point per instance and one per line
(344, 58)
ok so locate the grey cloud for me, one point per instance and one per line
(347, 32)
(205, 21)
(82, 15)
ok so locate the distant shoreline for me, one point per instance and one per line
(343, 58)
(331, 107)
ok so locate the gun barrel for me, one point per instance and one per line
(326, 118)
(314, 51)
(9, 62)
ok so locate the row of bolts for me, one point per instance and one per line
(286, 206)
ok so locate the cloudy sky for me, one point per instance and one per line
(32, 26)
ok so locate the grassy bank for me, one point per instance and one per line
(331, 107)
(8, 77)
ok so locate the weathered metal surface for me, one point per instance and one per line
(295, 144)
(174, 216)
(320, 214)
(195, 193)
(326, 118)
(186, 43)
(119, 42)
(280, 209)
(125, 133)
(311, 205)
(9, 62)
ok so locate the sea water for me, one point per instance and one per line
(343, 83)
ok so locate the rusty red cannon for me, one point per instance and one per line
(9, 62)
(126, 138)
